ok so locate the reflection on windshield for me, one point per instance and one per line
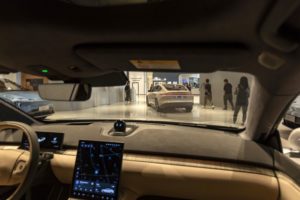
(174, 87)
(219, 98)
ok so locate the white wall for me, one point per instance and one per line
(217, 83)
(100, 96)
(140, 78)
(15, 77)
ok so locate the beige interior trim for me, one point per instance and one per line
(13, 166)
(150, 177)
(189, 162)
(289, 190)
(8, 160)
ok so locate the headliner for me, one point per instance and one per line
(48, 33)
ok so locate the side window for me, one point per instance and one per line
(153, 89)
(158, 88)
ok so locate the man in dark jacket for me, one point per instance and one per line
(208, 94)
(228, 94)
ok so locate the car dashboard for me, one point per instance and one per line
(162, 161)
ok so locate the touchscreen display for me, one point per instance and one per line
(46, 140)
(97, 170)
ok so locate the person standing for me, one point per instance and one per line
(208, 94)
(228, 94)
(243, 93)
(127, 92)
(151, 87)
(2, 86)
(189, 87)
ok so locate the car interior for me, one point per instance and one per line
(82, 44)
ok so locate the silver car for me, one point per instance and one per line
(292, 116)
(170, 96)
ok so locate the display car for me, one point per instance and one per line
(292, 116)
(100, 146)
(164, 96)
(26, 100)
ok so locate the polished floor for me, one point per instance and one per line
(140, 111)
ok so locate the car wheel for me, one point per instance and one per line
(189, 109)
(147, 101)
(157, 108)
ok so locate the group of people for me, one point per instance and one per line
(242, 93)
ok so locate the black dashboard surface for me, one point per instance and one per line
(170, 140)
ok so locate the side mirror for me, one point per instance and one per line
(65, 91)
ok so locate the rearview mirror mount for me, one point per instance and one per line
(65, 91)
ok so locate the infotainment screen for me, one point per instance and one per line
(97, 170)
(46, 140)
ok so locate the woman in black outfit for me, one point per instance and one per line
(243, 93)
(127, 92)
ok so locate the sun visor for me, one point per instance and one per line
(200, 58)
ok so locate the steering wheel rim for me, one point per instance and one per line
(32, 163)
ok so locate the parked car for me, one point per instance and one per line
(292, 116)
(28, 101)
(170, 96)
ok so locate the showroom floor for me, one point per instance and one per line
(140, 111)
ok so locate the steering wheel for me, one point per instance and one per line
(17, 166)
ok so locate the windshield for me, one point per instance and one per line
(173, 87)
(219, 99)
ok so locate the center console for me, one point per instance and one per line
(97, 170)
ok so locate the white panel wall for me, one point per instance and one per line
(138, 78)
(11, 76)
(100, 96)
